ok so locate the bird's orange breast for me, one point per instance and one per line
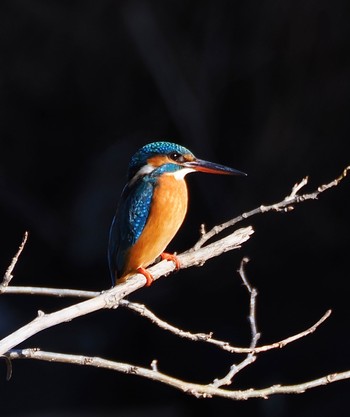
(167, 212)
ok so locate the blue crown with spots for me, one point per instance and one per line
(140, 158)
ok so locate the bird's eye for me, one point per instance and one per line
(176, 156)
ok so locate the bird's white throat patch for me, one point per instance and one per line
(180, 174)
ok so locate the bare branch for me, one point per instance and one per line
(234, 369)
(285, 205)
(284, 342)
(111, 298)
(197, 390)
(297, 187)
(251, 357)
(114, 297)
(143, 311)
(252, 314)
(52, 292)
(8, 274)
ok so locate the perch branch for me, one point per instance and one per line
(112, 297)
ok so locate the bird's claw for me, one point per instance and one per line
(171, 257)
(147, 275)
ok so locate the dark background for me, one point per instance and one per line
(258, 85)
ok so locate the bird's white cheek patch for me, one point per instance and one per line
(146, 169)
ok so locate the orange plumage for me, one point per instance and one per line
(167, 213)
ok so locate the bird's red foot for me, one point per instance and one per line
(147, 275)
(171, 257)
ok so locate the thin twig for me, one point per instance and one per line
(234, 370)
(255, 335)
(52, 292)
(284, 342)
(253, 295)
(8, 274)
(143, 311)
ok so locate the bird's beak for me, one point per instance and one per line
(211, 167)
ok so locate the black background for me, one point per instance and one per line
(258, 85)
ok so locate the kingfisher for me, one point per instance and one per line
(152, 207)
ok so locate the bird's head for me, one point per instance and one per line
(172, 159)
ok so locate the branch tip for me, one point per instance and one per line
(8, 274)
(154, 365)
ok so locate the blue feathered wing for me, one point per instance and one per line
(128, 223)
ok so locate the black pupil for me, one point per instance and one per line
(175, 156)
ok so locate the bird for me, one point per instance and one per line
(152, 207)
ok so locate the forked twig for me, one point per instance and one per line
(285, 205)
(255, 335)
